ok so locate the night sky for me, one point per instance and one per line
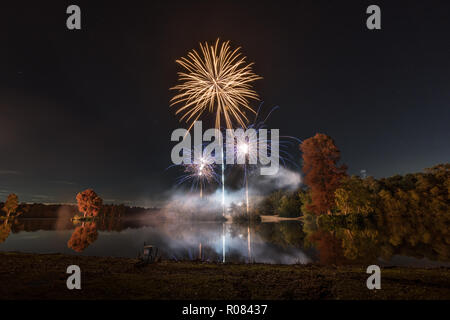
(90, 108)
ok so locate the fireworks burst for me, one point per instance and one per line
(217, 80)
(249, 149)
(199, 174)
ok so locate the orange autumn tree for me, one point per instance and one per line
(89, 203)
(11, 205)
(322, 174)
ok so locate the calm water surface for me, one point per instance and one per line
(282, 243)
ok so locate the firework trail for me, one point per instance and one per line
(249, 149)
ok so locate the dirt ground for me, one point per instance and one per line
(43, 276)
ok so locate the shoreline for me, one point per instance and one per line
(43, 276)
(277, 218)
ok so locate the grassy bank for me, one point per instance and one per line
(43, 276)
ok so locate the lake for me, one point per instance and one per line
(286, 242)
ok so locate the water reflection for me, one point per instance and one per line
(389, 240)
(5, 230)
(83, 236)
(382, 237)
(6, 226)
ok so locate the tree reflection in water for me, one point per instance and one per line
(346, 240)
(327, 240)
(83, 236)
(5, 230)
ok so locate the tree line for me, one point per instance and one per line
(329, 190)
(40, 210)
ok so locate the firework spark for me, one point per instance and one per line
(217, 80)
(249, 149)
(199, 173)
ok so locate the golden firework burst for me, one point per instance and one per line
(219, 80)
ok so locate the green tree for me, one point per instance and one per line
(290, 206)
(271, 203)
(354, 197)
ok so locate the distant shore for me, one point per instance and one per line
(277, 218)
(43, 276)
